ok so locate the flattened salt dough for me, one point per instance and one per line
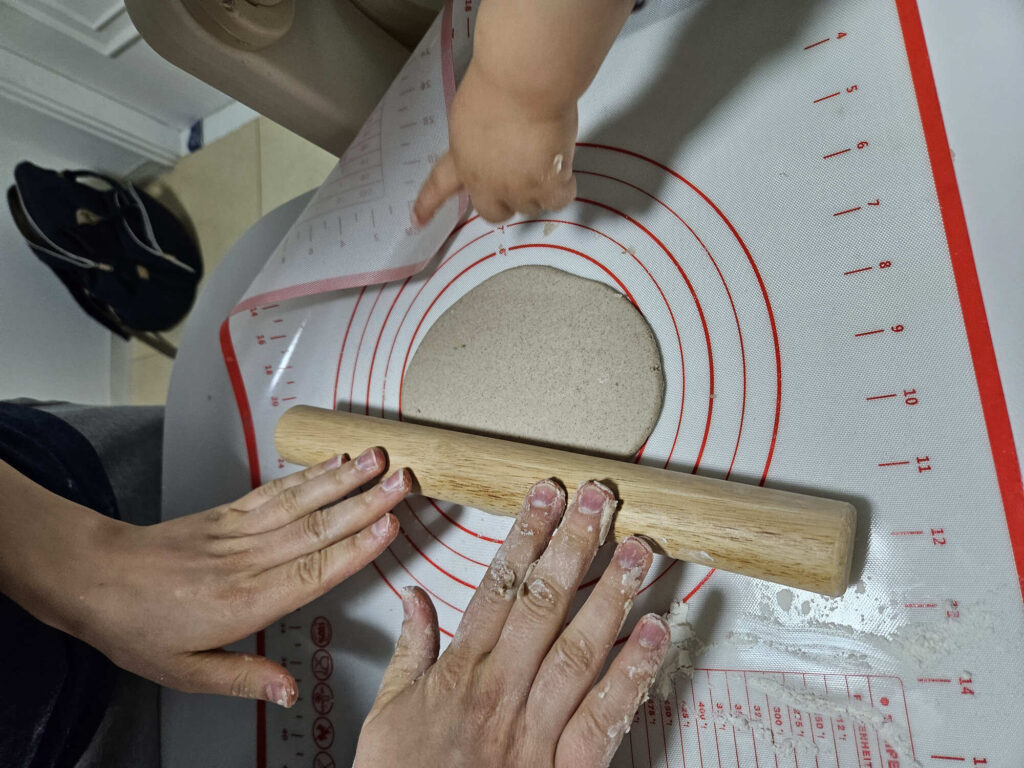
(538, 355)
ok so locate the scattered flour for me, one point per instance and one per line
(874, 639)
(856, 711)
(625, 615)
(927, 642)
(780, 745)
(816, 633)
(550, 227)
(785, 599)
(820, 642)
(631, 578)
(504, 579)
(684, 645)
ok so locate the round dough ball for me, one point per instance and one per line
(541, 356)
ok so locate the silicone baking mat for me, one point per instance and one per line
(770, 185)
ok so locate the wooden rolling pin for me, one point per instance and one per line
(789, 538)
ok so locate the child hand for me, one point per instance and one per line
(508, 154)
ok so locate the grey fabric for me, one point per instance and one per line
(129, 442)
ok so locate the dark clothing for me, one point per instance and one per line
(62, 703)
(54, 689)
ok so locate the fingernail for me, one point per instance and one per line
(632, 553)
(367, 460)
(393, 482)
(645, 539)
(415, 220)
(592, 499)
(653, 631)
(543, 494)
(381, 527)
(279, 693)
(557, 163)
(332, 463)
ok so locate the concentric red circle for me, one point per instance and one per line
(439, 548)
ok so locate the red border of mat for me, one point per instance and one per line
(990, 388)
(242, 400)
(249, 432)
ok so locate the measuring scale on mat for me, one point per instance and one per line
(793, 235)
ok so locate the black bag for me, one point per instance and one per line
(127, 260)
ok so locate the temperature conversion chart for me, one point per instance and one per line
(771, 186)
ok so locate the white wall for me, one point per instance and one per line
(49, 348)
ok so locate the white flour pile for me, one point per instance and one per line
(684, 646)
(799, 628)
(877, 636)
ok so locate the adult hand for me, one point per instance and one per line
(161, 600)
(516, 687)
(509, 154)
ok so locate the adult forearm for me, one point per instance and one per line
(39, 535)
(546, 51)
(161, 600)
